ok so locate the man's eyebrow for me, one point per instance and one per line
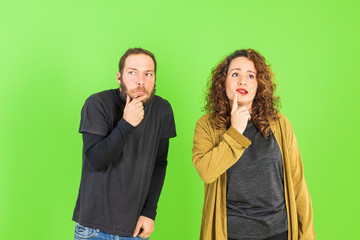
(131, 68)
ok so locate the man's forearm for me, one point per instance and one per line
(100, 151)
(157, 180)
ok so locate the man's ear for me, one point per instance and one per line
(118, 77)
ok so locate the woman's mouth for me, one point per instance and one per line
(242, 91)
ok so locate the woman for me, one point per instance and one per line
(246, 153)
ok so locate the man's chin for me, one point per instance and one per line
(138, 95)
(148, 98)
(141, 95)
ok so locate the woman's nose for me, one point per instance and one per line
(242, 80)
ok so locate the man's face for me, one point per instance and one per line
(138, 78)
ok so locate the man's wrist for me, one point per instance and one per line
(148, 213)
(125, 124)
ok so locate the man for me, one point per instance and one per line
(126, 135)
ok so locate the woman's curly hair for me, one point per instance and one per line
(265, 104)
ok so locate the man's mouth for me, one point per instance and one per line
(139, 91)
(242, 91)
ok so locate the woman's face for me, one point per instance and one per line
(241, 79)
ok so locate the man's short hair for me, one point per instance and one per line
(135, 51)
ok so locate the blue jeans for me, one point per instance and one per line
(82, 233)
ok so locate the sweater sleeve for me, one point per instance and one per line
(100, 151)
(302, 196)
(211, 160)
(157, 180)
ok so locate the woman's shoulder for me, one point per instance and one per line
(281, 125)
(205, 118)
(281, 118)
(205, 121)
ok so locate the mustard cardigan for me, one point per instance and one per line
(214, 151)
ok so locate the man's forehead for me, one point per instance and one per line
(139, 62)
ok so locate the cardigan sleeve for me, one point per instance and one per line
(211, 160)
(302, 196)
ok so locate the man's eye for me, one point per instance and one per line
(235, 75)
(132, 72)
(148, 74)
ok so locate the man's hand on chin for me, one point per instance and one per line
(147, 226)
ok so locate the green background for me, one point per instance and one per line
(54, 54)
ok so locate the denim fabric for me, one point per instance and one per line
(82, 233)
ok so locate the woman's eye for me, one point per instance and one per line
(251, 76)
(235, 75)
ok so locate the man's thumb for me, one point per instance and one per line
(137, 230)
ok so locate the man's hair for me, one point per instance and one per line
(135, 51)
(265, 104)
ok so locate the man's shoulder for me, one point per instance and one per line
(161, 102)
(105, 98)
(101, 101)
(104, 95)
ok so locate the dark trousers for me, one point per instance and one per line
(281, 236)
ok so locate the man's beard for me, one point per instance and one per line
(124, 92)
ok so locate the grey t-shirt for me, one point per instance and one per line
(255, 190)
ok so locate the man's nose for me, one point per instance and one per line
(140, 80)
